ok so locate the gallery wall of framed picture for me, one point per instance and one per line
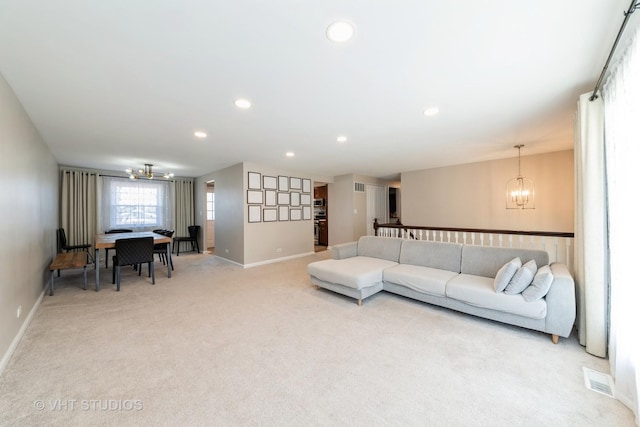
(278, 198)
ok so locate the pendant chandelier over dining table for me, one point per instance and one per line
(147, 173)
(520, 192)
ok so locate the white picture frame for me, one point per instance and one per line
(306, 212)
(305, 199)
(270, 198)
(295, 214)
(283, 183)
(295, 198)
(295, 184)
(269, 182)
(254, 197)
(254, 181)
(283, 199)
(269, 214)
(306, 186)
(254, 213)
(283, 213)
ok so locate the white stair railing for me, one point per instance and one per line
(559, 246)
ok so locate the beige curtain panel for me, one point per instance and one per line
(78, 205)
(184, 214)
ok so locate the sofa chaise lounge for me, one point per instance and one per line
(455, 276)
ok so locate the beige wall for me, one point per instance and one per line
(29, 212)
(251, 243)
(229, 211)
(473, 195)
(348, 209)
(340, 210)
(266, 241)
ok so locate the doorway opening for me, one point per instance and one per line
(320, 216)
(210, 238)
(377, 206)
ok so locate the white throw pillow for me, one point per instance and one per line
(522, 278)
(540, 286)
(505, 274)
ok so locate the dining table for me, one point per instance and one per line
(108, 241)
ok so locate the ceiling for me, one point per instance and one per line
(113, 84)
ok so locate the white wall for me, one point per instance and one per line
(29, 212)
(473, 195)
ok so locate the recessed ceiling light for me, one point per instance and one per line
(340, 31)
(432, 111)
(341, 138)
(290, 154)
(200, 134)
(243, 103)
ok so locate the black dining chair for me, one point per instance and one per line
(192, 237)
(106, 251)
(64, 246)
(135, 251)
(161, 248)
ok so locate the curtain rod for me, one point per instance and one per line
(627, 15)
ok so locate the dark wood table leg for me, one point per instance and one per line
(51, 284)
(97, 267)
(168, 261)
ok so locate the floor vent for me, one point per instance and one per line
(358, 187)
(598, 382)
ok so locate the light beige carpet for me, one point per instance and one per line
(219, 345)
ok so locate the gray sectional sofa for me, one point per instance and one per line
(451, 275)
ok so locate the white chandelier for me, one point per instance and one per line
(147, 172)
(520, 190)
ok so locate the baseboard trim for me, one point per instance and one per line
(271, 261)
(228, 260)
(14, 344)
(268, 261)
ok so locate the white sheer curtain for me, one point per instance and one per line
(141, 205)
(590, 253)
(622, 145)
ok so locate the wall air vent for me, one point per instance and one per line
(358, 187)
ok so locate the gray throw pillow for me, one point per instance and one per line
(505, 274)
(522, 278)
(540, 285)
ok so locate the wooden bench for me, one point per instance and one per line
(66, 261)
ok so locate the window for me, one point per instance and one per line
(211, 206)
(137, 205)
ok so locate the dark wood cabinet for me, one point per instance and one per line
(320, 192)
(323, 233)
(321, 215)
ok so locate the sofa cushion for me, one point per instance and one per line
(380, 247)
(487, 260)
(444, 256)
(505, 274)
(522, 278)
(478, 291)
(421, 279)
(357, 272)
(540, 286)
(344, 250)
